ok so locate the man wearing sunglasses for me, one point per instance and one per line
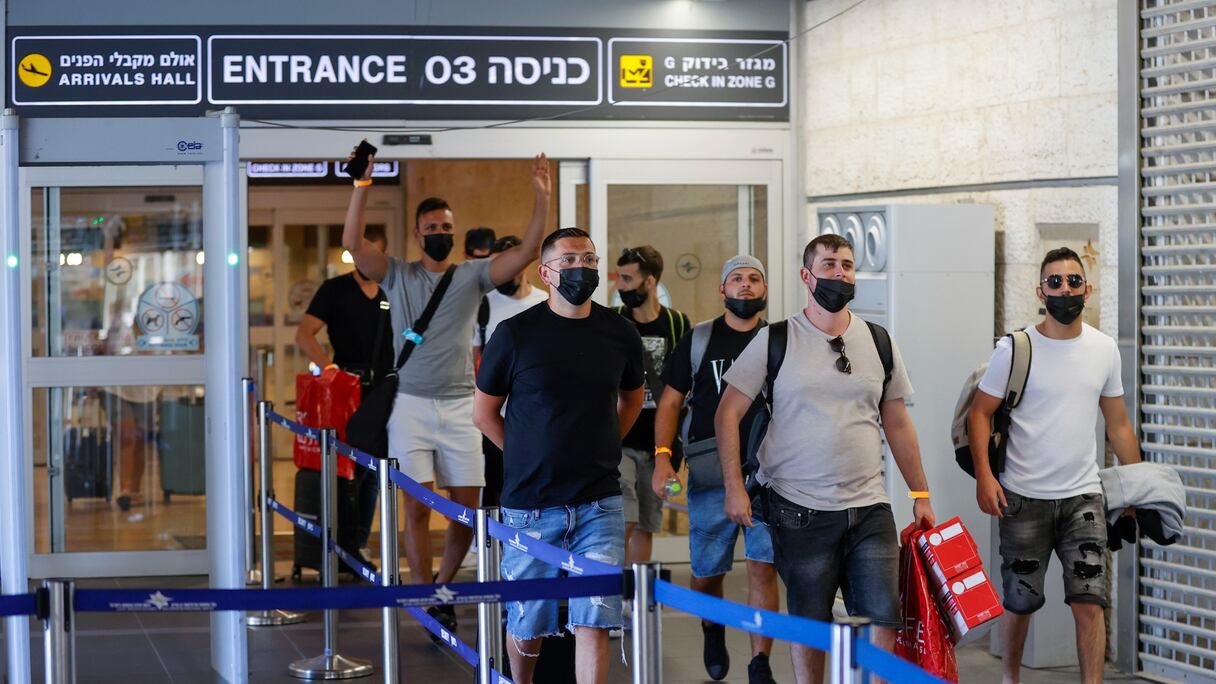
(572, 370)
(821, 461)
(1049, 497)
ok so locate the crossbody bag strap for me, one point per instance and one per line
(413, 335)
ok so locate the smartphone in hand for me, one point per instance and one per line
(358, 165)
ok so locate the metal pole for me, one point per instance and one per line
(15, 532)
(329, 665)
(845, 633)
(253, 575)
(489, 615)
(268, 618)
(647, 626)
(58, 636)
(389, 573)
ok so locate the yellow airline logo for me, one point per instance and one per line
(637, 71)
(34, 70)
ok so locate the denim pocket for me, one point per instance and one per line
(1013, 504)
(517, 520)
(793, 518)
(610, 504)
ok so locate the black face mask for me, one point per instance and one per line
(508, 288)
(633, 298)
(575, 285)
(745, 308)
(833, 295)
(1065, 308)
(437, 245)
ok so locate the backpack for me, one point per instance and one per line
(998, 439)
(778, 333)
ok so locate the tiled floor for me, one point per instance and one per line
(174, 648)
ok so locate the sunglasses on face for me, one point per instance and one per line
(1054, 282)
(842, 364)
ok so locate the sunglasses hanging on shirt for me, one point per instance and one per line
(842, 364)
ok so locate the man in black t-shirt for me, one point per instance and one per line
(355, 313)
(572, 370)
(694, 370)
(638, 272)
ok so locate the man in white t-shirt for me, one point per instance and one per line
(1049, 496)
(508, 299)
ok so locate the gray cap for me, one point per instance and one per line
(743, 261)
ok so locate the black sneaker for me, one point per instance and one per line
(758, 671)
(717, 660)
(445, 616)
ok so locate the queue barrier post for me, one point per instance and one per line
(489, 615)
(389, 571)
(267, 618)
(58, 630)
(647, 626)
(845, 633)
(253, 575)
(330, 664)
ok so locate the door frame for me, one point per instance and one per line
(46, 372)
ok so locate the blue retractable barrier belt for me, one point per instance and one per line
(891, 667)
(18, 604)
(446, 507)
(322, 598)
(298, 428)
(817, 635)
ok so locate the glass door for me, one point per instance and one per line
(697, 215)
(114, 346)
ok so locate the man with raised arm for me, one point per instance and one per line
(431, 430)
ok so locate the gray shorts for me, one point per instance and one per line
(1075, 528)
(641, 505)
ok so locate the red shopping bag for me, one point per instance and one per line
(924, 638)
(325, 400)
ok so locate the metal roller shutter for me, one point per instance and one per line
(1177, 597)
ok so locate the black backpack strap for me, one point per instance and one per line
(373, 363)
(778, 333)
(882, 342)
(424, 321)
(483, 320)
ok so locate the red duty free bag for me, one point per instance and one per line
(325, 401)
(924, 638)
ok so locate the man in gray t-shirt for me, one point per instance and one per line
(821, 460)
(431, 430)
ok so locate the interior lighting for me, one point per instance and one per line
(200, 258)
(233, 258)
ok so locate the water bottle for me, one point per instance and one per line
(672, 488)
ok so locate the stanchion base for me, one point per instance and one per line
(273, 618)
(330, 667)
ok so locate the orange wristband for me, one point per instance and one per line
(662, 450)
(918, 495)
(362, 182)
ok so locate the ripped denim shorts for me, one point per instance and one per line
(1075, 528)
(595, 529)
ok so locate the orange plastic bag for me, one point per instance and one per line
(325, 400)
(924, 638)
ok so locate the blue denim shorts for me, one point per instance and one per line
(712, 535)
(596, 530)
(855, 550)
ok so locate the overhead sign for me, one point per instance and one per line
(380, 72)
(316, 169)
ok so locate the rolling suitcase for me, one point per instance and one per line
(183, 464)
(308, 505)
(87, 451)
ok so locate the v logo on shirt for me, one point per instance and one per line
(719, 366)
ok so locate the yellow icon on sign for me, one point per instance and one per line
(637, 71)
(34, 70)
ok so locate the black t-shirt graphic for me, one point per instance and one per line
(725, 345)
(351, 319)
(561, 377)
(659, 337)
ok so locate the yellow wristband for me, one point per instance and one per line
(362, 182)
(662, 450)
(918, 495)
